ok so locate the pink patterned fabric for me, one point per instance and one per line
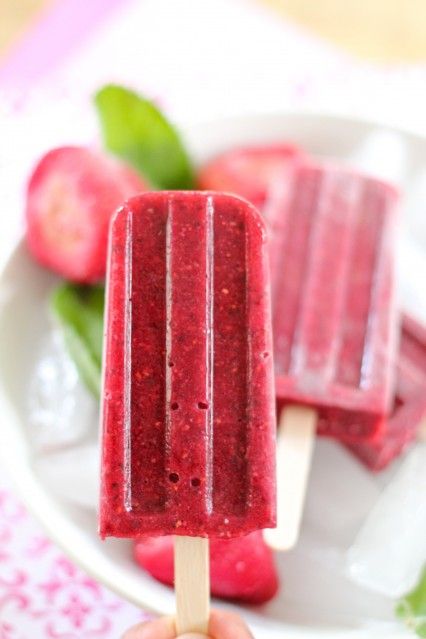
(42, 593)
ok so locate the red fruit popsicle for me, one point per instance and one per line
(249, 171)
(71, 197)
(188, 410)
(334, 317)
(188, 397)
(334, 313)
(409, 410)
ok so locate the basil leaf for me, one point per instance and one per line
(412, 607)
(79, 311)
(134, 129)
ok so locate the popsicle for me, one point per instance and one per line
(188, 410)
(409, 409)
(334, 318)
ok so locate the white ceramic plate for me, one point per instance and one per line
(316, 600)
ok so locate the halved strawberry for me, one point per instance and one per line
(71, 196)
(241, 569)
(248, 171)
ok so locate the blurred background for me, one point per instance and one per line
(358, 57)
(375, 29)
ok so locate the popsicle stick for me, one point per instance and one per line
(192, 584)
(421, 435)
(295, 442)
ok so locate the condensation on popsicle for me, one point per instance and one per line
(334, 314)
(188, 412)
(409, 410)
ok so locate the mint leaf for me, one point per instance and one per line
(79, 311)
(134, 129)
(412, 607)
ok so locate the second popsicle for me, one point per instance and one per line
(334, 318)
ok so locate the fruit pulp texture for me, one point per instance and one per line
(188, 416)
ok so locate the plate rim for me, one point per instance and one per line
(30, 490)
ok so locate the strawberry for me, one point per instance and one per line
(241, 569)
(71, 196)
(248, 171)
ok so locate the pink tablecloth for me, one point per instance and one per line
(42, 593)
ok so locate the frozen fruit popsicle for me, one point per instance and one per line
(409, 410)
(334, 304)
(188, 411)
(334, 317)
(188, 415)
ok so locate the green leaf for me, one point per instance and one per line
(134, 129)
(79, 310)
(412, 607)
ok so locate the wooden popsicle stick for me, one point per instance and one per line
(295, 443)
(421, 435)
(192, 584)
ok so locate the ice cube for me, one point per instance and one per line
(72, 474)
(334, 508)
(61, 411)
(383, 154)
(390, 549)
(415, 209)
(316, 589)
